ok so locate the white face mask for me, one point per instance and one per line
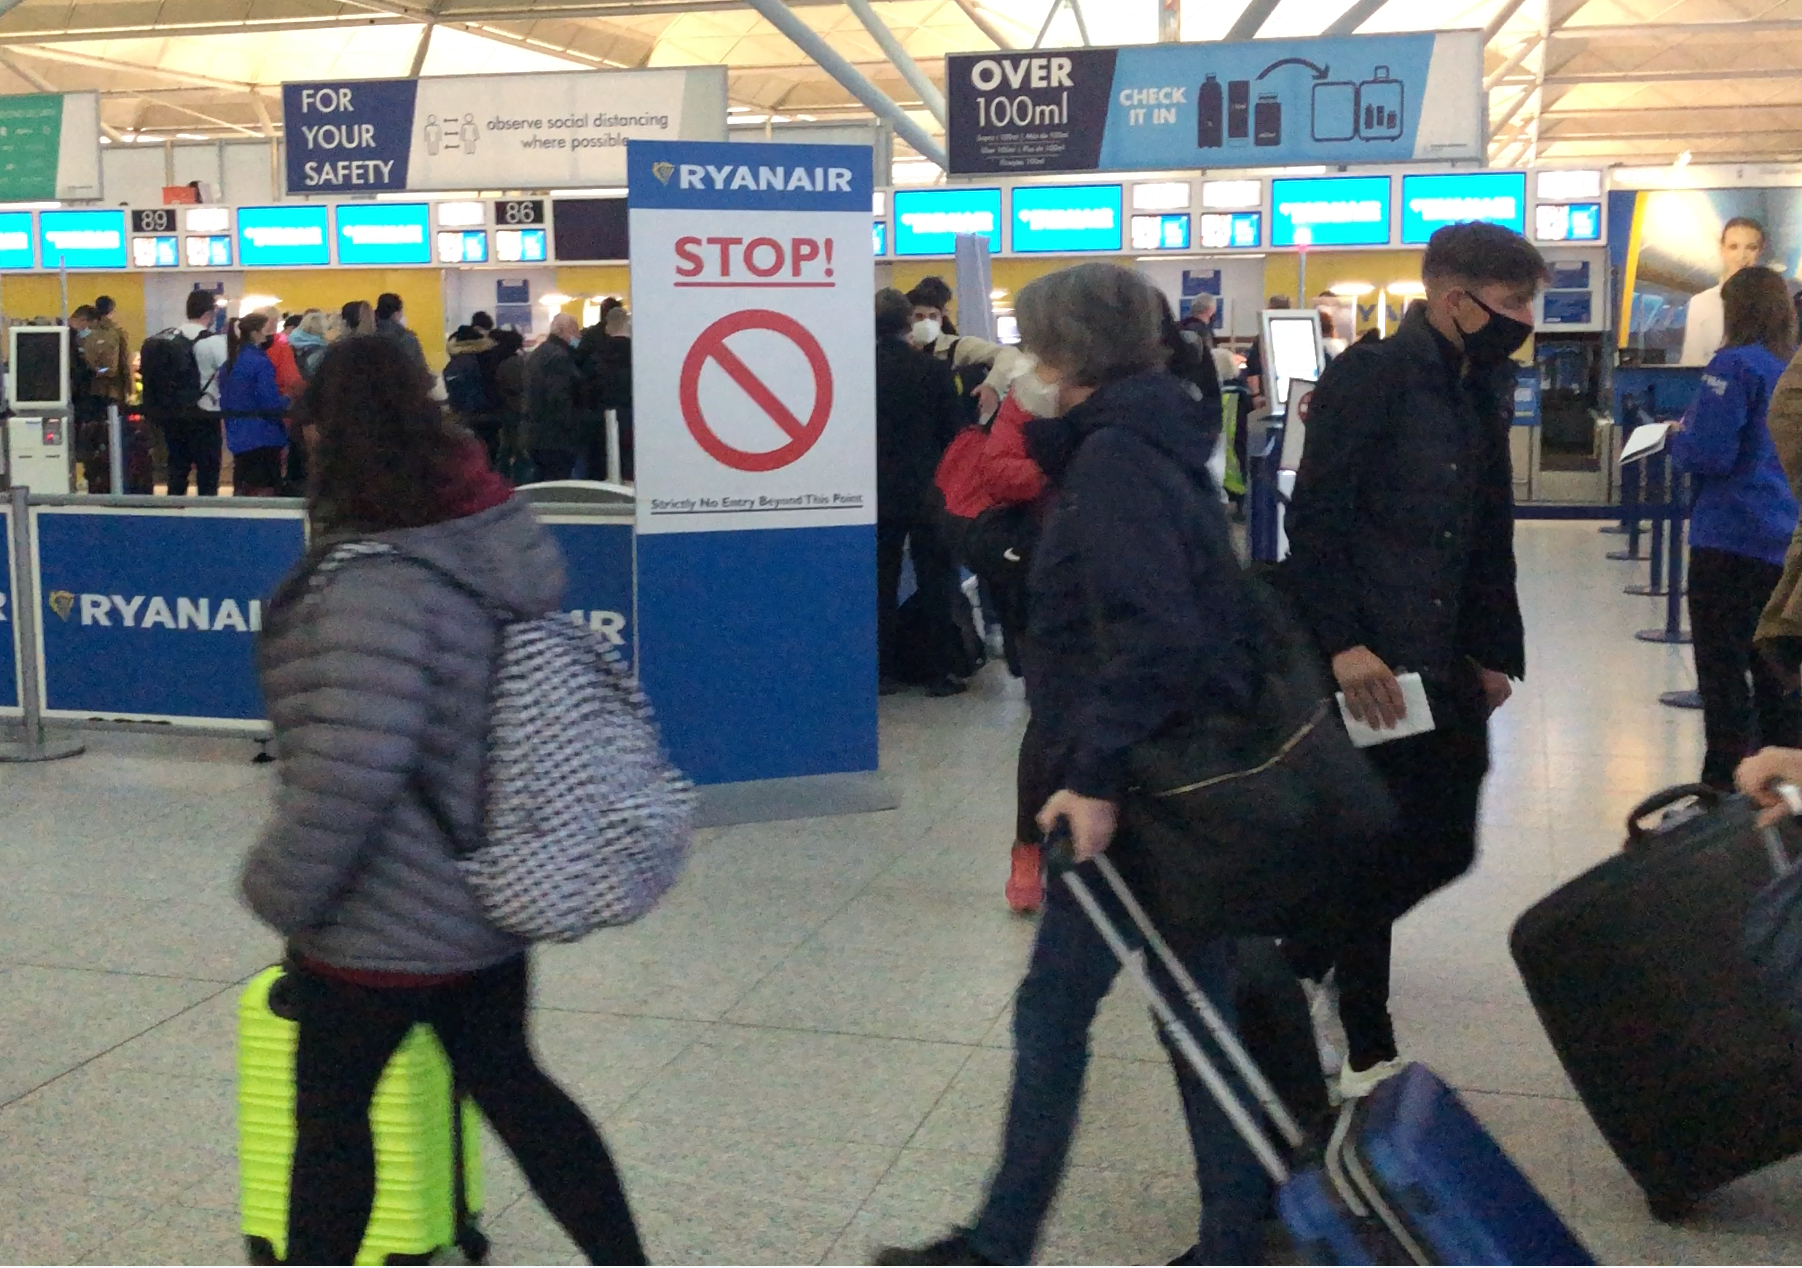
(1036, 396)
(926, 332)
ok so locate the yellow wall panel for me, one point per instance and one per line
(421, 292)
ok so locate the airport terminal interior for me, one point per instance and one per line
(802, 1054)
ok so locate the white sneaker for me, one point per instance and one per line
(1323, 1009)
(1355, 1083)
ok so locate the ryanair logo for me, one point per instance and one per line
(148, 612)
(1716, 384)
(815, 180)
(663, 171)
(609, 625)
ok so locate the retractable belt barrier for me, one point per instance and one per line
(147, 608)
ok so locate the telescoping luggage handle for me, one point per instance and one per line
(1063, 863)
(1773, 837)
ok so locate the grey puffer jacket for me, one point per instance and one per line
(378, 682)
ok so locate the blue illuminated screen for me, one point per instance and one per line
(1221, 229)
(1066, 218)
(1168, 232)
(15, 240)
(282, 236)
(462, 246)
(927, 221)
(1431, 202)
(384, 233)
(1575, 222)
(879, 238)
(1336, 211)
(87, 239)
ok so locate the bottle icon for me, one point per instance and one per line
(1238, 111)
(1209, 114)
(1267, 120)
(1380, 107)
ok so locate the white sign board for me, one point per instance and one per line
(753, 337)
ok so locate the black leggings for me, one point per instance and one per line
(347, 1035)
(1727, 592)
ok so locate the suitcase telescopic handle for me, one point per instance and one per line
(1636, 830)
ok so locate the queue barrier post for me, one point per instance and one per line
(1672, 632)
(1633, 482)
(34, 745)
(1660, 513)
(115, 450)
(614, 462)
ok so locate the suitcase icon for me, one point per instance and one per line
(1380, 107)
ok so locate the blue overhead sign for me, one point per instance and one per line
(927, 221)
(1347, 99)
(716, 176)
(384, 233)
(1051, 218)
(275, 237)
(1331, 211)
(84, 239)
(1431, 202)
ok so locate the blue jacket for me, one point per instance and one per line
(252, 406)
(1743, 503)
(1135, 618)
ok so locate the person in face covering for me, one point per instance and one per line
(1401, 538)
(981, 370)
(1135, 622)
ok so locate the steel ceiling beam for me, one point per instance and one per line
(1348, 22)
(1252, 17)
(1689, 137)
(930, 96)
(982, 22)
(206, 118)
(809, 41)
(107, 63)
(1679, 30)
(1576, 79)
(1515, 58)
(169, 30)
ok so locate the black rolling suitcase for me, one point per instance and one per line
(1690, 1068)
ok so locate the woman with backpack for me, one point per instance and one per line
(254, 408)
(377, 677)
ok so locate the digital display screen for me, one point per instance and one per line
(1223, 229)
(1331, 211)
(88, 239)
(879, 239)
(1575, 222)
(39, 376)
(211, 252)
(519, 246)
(157, 252)
(1060, 218)
(1432, 202)
(15, 240)
(277, 236)
(1168, 232)
(208, 220)
(927, 221)
(588, 229)
(463, 246)
(384, 233)
(1293, 350)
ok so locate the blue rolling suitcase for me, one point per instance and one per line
(1408, 1174)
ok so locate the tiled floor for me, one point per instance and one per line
(803, 1054)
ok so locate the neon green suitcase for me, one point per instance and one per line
(428, 1187)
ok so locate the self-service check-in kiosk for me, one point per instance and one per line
(38, 432)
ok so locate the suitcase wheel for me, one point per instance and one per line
(259, 1250)
(473, 1243)
(1670, 1208)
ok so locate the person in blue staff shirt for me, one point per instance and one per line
(1744, 514)
(254, 409)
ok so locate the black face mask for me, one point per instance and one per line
(1495, 342)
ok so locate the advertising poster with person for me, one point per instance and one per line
(1674, 248)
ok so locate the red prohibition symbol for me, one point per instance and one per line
(711, 346)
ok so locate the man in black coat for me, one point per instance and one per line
(1401, 535)
(916, 417)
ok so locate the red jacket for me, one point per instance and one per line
(1008, 474)
(288, 379)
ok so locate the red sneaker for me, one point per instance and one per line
(1025, 887)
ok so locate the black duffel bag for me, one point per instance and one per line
(1255, 824)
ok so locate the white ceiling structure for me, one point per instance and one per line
(1605, 81)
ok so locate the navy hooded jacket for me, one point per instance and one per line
(1136, 618)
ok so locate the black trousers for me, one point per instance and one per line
(934, 574)
(347, 1035)
(257, 472)
(195, 447)
(1436, 780)
(1727, 592)
(1033, 777)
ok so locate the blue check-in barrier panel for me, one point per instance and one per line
(9, 626)
(598, 560)
(152, 615)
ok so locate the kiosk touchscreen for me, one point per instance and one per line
(37, 377)
(1292, 350)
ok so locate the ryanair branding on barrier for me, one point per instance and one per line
(818, 180)
(148, 612)
(609, 625)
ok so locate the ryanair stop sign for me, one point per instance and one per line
(753, 350)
